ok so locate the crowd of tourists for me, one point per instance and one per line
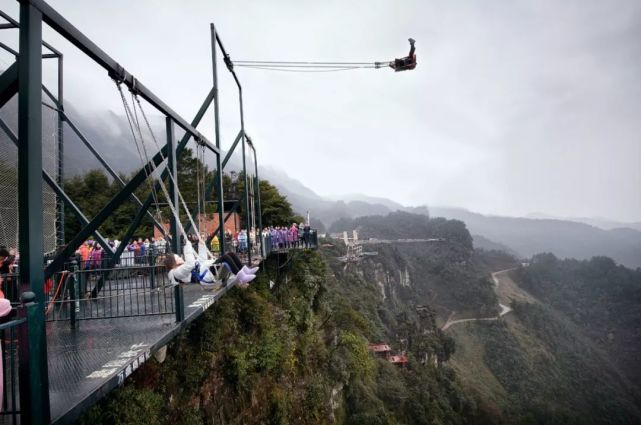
(91, 256)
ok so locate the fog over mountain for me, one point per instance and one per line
(526, 236)
(514, 107)
(519, 235)
(579, 238)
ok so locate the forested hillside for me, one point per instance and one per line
(599, 297)
(298, 353)
(555, 358)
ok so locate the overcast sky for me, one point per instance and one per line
(515, 107)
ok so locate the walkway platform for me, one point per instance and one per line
(87, 363)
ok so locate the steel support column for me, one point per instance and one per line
(60, 206)
(247, 204)
(218, 178)
(172, 166)
(214, 182)
(259, 207)
(145, 206)
(30, 242)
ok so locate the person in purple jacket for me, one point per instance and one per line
(283, 237)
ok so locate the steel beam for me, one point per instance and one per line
(30, 241)
(145, 206)
(17, 25)
(121, 196)
(219, 166)
(260, 209)
(8, 84)
(115, 70)
(229, 213)
(60, 207)
(9, 49)
(173, 186)
(110, 170)
(231, 150)
(214, 183)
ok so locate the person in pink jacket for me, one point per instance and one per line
(294, 235)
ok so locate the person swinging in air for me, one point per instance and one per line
(408, 62)
(196, 268)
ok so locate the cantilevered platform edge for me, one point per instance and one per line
(70, 415)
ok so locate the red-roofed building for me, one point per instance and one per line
(400, 360)
(209, 224)
(382, 350)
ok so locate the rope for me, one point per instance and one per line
(275, 65)
(198, 187)
(164, 188)
(309, 66)
(314, 63)
(133, 133)
(154, 193)
(129, 116)
(301, 70)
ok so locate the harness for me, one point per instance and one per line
(198, 277)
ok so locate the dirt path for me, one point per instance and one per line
(502, 295)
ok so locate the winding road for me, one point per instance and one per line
(504, 309)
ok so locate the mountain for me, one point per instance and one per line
(294, 347)
(567, 352)
(566, 239)
(600, 222)
(481, 242)
(523, 237)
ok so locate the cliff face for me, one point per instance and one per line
(298, 353)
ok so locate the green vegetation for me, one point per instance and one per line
(298, 353)
(546, 363)
(91, 192)
(602, 299)
(295, 354)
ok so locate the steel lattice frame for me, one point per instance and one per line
(25, 79)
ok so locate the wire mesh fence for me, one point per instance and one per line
(9, 177)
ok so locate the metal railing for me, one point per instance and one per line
(103, 293)
(9, 334)
(97, 289)
(19, 353)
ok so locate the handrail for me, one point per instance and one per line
(12, 324)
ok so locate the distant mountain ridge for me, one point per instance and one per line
(520, 235)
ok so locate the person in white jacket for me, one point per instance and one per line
(197, 268)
